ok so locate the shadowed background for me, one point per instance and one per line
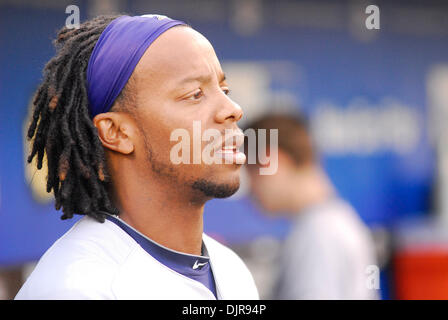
(376, 102)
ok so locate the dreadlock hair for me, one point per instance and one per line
(63, 130)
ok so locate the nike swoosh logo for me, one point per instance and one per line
(197, 264)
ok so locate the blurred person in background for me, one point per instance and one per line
(328, 250)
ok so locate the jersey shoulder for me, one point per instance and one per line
(231, 273)
(81, 264)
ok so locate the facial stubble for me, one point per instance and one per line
(172, 172)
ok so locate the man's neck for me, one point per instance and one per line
(165, 214)
(314, 189)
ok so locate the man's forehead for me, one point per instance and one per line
(180, 53)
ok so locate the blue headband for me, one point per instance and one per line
(116, 54)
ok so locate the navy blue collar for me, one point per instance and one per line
(192, 266)
(186, 264)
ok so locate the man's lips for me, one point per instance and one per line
(231, 156)
(228, 150)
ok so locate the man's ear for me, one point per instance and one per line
(116, 131)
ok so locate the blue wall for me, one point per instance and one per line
(382, 186)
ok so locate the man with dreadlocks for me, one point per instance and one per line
(110, 98)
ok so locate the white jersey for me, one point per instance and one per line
(327, 255)
(101, 261)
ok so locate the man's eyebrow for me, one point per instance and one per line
(201, 78)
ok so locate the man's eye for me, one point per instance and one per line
(226, 91)
(197, 95)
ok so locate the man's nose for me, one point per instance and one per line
(228, 110)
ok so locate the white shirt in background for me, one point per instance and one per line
(327, 255)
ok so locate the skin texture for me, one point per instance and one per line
(291, 189)
(162, 200)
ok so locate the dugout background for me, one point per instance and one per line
(376, 102)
